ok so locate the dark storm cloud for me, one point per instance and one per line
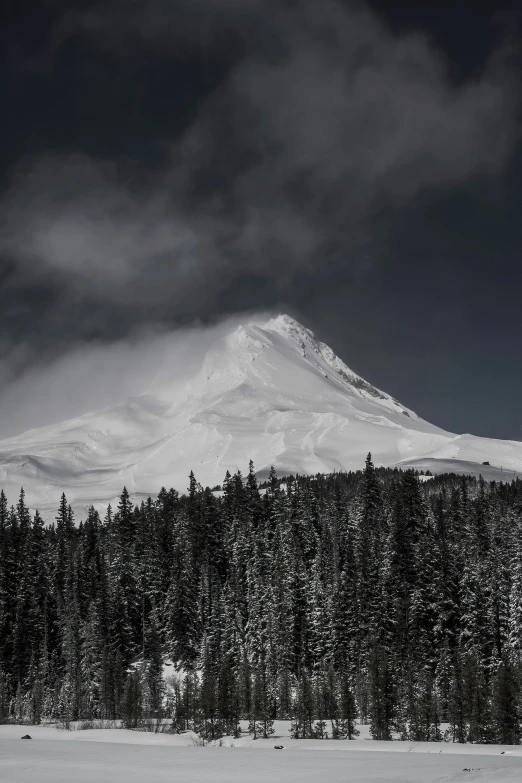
(173, 27)
(324, 119)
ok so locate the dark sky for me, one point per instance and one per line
(358, 165)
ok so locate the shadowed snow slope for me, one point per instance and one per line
(267, 391)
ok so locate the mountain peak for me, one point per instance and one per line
(286, 325)
(268, 391)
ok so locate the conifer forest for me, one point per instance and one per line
(379, 597)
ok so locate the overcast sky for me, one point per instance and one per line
(359, 165)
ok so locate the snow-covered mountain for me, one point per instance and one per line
(267, 391)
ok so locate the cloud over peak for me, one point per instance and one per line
(324, 118)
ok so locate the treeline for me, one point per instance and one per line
(368, 596)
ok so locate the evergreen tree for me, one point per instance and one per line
(322, 601)
(506, 705)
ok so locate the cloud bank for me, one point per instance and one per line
(90, 377)
(323, 119)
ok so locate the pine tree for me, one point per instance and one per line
(347, 711)
(303, 709)
(322, 598)
(155, 686)
(209, 726)
(261, 724)
(382, 698)
(506, 705)
(515, 596)
(91, 663)
(5, 579)
(181, 608)
(132, 702)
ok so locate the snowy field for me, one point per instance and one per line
(120, 756)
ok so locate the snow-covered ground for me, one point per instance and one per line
(267, 391)
(120, 756)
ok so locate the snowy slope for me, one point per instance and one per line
(267, 391)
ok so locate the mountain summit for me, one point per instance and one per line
(267, 391)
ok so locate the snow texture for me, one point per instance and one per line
(267, 391)
(121, 756)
